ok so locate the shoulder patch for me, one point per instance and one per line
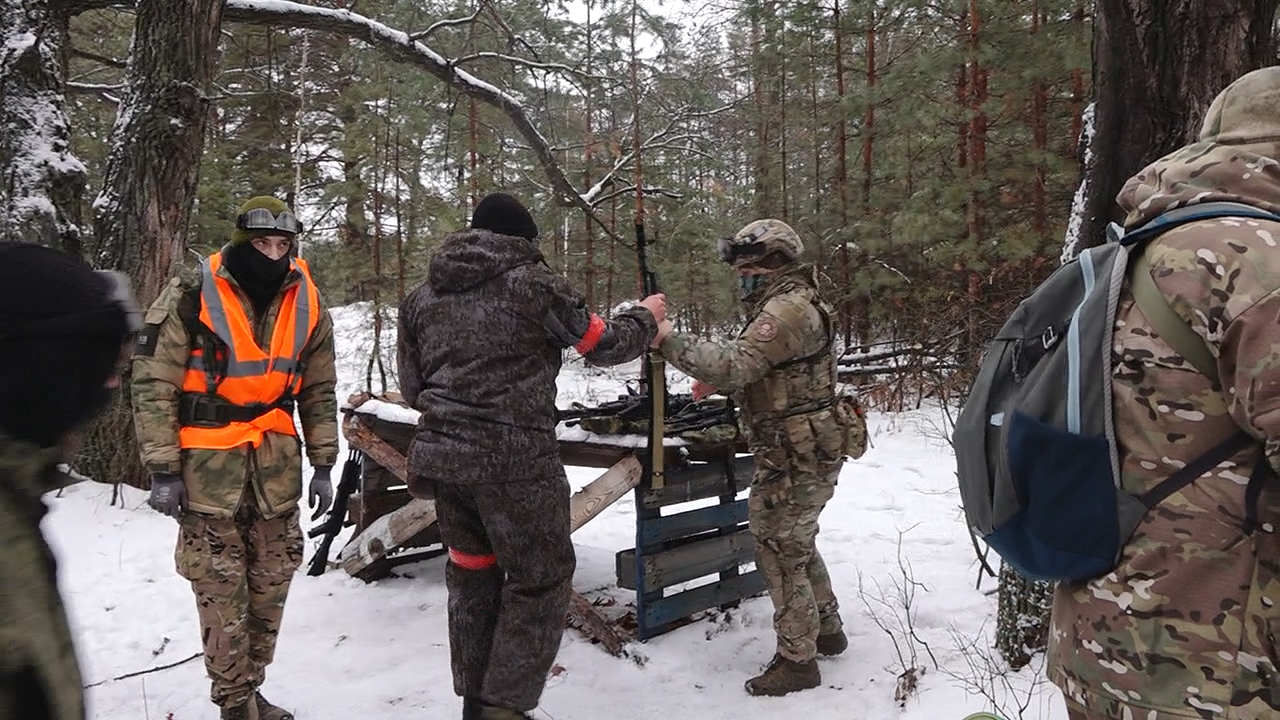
(765, 328)
(145, 344)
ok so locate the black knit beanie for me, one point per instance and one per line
(503, 214)
(61, 337)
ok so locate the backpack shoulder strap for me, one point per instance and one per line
(1147, 296)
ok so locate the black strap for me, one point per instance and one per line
(211, 411)
(1262, 475)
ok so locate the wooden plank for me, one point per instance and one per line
(605, 490)
(689, 561)
(664, 611)
(360, 435)
(697, 483)
(584, 617)
(385, 534)
(670, 527)
(579, 453)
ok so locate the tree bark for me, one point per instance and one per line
(1157, 66)
(150, 181)
(41, 187)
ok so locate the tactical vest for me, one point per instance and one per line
(796, 387)
(234, 399)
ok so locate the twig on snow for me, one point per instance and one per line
(148, 671)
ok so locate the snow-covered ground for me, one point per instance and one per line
(379, 651)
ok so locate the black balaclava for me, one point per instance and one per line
(259, 275)
(61, 338)
(503, 214)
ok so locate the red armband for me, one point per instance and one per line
(591, 338)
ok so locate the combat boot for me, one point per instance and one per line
(267, 711)
(832, 643)
(784, 676)
(244, 711)
(493, 712)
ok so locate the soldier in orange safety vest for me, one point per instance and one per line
(226, 356)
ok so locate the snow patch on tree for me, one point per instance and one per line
(43, 179)
(1076, 221)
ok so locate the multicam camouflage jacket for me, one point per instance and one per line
(216, 479)
(781, 372)
(39, 676)
(1186, 625)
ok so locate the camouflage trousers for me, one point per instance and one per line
(783, 510)
(509, 575)
(240, 570)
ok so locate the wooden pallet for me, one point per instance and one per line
(393, 528)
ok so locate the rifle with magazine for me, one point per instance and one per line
(333, 524)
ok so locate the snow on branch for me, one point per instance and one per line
(533, 64)
(402, 47)
(451, 22)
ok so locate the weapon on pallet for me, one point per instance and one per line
(332, 525)
(629, 414)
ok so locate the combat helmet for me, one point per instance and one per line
(758, 240)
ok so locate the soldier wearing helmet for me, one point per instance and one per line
(781, 372)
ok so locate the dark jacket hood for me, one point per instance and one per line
(471, 257)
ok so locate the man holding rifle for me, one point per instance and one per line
(480, 347)
(781, 371)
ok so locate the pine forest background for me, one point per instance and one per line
(927, 152)
(939, 157)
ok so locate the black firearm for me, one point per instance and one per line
(681, 413)
(337, 514)
(655, 375)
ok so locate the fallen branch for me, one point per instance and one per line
(148, 671)
(584, 617)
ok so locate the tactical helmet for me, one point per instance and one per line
(758, 240)
(264, 215)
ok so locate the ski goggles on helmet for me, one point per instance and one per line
(263, 219)
(738, 251)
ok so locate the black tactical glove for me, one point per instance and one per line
(168, 494)
(321, 489)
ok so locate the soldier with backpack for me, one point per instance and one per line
(781, 370)
(1127, 446)
(225, 357)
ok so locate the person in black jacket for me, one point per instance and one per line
(480, 347)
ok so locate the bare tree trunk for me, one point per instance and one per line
(1156, 68)
(842, 178)
(42, 181)
(150, 182)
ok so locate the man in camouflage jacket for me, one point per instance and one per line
(781, 371)
(64, 331)
(240, 537)
(480, 347)
(1186, 625)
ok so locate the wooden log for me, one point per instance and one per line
(604, 491)
(360, 435)
(386, 534)
(584, 617)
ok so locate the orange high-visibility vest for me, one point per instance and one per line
(253, 375)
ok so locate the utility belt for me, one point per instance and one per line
(802, 409)
(211, 411)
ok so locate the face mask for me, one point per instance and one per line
(748, 284)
